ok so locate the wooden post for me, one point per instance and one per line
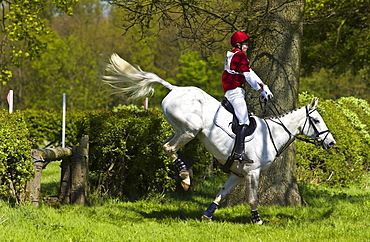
(79, 171)
(33, 187)
(65, 180)
(40, 158)
(52, 154)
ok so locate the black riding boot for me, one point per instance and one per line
(239, 144)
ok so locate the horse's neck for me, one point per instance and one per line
(286, 127)
(294, 121)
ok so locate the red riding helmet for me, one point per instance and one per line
(238, 37)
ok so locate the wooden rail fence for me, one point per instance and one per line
(74, 172)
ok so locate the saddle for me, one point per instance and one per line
(235, 122)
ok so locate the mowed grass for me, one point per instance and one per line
(331, 215)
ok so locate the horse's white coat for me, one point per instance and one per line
(191, 111)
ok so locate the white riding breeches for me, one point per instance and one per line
(236, 98)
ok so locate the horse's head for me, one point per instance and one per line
(315, 127)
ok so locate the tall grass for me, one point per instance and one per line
(331, 215)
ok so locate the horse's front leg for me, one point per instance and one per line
(252, 196)
(229, 185)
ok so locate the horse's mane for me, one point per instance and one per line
(283, 115)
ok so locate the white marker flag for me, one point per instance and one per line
(9, 97)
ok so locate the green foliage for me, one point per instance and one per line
(205, 74)
(15, 165)
(192, 70)
(348, 119)
(46, 128)
(328, 85)
(126, 153)
(67, 66)
(23, 28)
(127, 158)
(336, 36)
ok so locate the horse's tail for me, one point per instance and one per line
(132, 81)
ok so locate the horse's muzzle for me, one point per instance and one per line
(328, 145)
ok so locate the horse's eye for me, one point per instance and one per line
(316, 121)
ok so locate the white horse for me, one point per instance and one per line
(191, 112)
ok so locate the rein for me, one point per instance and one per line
(274, 110)
(277, 114)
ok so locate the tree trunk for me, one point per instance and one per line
(275, 56)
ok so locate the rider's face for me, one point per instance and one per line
(245, 47)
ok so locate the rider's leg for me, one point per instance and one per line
(236, 98)
(239, 144)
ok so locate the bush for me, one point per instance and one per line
(16, 167)
(347, 119)
(46, 128)
(126, 155)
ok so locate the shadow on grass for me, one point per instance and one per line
(322, 203)
(317, 196)
(166, 214)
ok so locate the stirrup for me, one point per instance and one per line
(241, 157)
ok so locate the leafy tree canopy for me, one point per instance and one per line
(336, 36)
(22, 29)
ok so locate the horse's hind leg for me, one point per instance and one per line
(171, 147)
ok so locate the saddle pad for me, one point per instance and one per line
(223, 120)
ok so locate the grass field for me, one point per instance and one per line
(332, 215)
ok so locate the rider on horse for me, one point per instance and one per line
(236, 72)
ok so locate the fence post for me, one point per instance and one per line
(79, 171)
(33, 187)
(40, 158)
(65, 179)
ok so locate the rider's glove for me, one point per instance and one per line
(266, 93)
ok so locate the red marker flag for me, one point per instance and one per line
(145, 103)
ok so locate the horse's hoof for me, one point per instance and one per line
(185, 183)
(206, 218)
(261, 222)
(185, 186)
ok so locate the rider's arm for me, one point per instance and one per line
(254, 80)
(257, 84)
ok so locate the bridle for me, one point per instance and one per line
(309, 120)
(316, 140)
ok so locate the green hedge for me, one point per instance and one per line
(46, 128)
(126, 157)
(348, 120)
(16, 167)
(126, 154)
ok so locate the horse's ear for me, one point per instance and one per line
(314, 103)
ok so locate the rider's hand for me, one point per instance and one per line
(266, 93)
